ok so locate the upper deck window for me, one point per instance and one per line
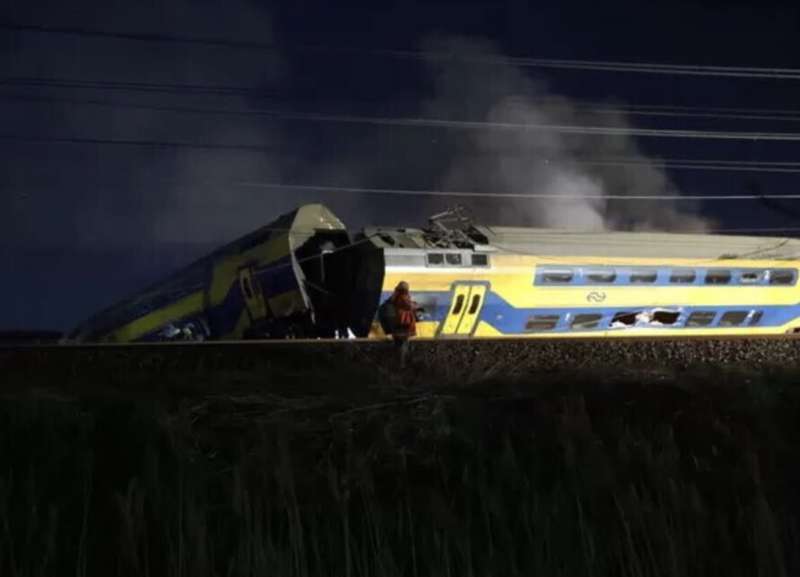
(782, 276)
(719, 276)
(601, 276)
(752, 276)
(453, 258)
(682, 276)
(561, 276)
(643, 277)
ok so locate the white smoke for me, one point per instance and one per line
(542, 162)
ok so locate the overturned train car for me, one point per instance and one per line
(305, 275)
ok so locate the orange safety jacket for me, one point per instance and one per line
(406, 317)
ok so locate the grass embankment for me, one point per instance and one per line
(568, 474)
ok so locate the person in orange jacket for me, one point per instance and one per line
(406, 325)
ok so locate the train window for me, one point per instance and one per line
(664, 317)
(480, 260)
(732, 318)
(601, 276)
(626, 318)
(682, 276)
(700, 318)
(751, 276)
(459, 304)
(541, 323)
(435, 258)
(718, 276)
(453, 258)
(781, 276)
(644, 277)
(755, 318)
(473, 307)
(586, 321)
(557, 276)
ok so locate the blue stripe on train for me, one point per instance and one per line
(508, 319)
(222, 318)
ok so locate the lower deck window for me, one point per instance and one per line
(732, 318)
(700, 318)
(542, 323)
(756, 318)
(586, 321)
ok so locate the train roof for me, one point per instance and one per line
(555, 242)
(296, 226)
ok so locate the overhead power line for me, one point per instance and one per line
(775, 73)
(678, 164)
(756, 114)
(557, 197)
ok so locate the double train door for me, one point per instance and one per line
(253, 295)
(465, 309)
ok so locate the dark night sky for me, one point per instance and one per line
(83, 225)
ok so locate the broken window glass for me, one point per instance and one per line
(586, 321)
(682, 276)
(661, 317)
(718, 276)
(541, 323)
(624, 319)
(732, 318)
(700, 318)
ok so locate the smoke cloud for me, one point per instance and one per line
(543, 162)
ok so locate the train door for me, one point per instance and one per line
(253, 295)
(465, 308)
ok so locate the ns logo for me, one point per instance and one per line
(596, 297)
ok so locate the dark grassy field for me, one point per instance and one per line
(330, 462)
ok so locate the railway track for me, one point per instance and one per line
(432, 357)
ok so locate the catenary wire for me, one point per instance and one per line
(775, 73)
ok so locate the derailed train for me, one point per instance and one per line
(306, 276)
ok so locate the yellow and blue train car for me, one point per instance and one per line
(536, 283)
(305, 275)
(259, 285)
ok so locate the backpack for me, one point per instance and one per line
(387, 316)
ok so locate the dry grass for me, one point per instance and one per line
(587, 476)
